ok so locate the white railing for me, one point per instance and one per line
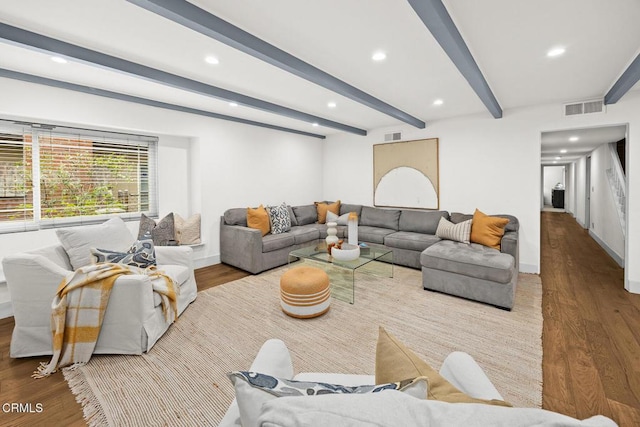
(617, 184)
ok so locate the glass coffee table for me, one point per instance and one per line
(375, 260)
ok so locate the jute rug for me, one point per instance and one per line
(182, 381)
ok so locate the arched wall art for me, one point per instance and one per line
(405, 174)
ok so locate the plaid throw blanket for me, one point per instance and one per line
(79, 307)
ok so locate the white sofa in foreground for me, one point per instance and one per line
(386, 408)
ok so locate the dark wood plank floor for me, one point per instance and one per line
(591, 338)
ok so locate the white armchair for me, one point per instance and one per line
(133, 320)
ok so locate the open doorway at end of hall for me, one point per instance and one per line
(553, 188)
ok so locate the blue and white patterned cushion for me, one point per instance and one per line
(281, 387)
(279, 218)
(254, 389)
(142, 254)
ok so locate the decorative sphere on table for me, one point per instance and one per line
(332, 233)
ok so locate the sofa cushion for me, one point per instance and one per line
(340, 220)
(141, 254)
(487, 230)
(273, 242)
(384, 218)
(421, 221)
(513, 224)
(306, 214)
(304, 234)
(410, 241)
(473, 260)
(395, 360)
(460, 232)
(258, 219)
(292, 216)
(179, 274)
(188, 230)
(78, 241)
(162, 232)
(323, 208)
(254, 389)
(236, 216)
(346, 208)
(279, 219)
(373, 234)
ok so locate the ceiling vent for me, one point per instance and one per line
(584, 107)
(395, 136)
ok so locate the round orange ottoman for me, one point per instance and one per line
(305, 292)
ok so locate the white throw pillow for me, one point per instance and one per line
(460, 232)
(340, 220)
(187, 230)
(78, 241)
(254, 389)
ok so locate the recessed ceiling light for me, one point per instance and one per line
(556, 51)
(211, 60)
(331, 105)
(573, 138)
(558, 157)
(379, 56)
(438, 102)
(314, 124)
(58, 59)
(555, 161)
(233, 104)
(563, 151)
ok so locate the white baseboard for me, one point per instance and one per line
(633, 287)
(5, 309)
(617, 258)
(529, 268)
(206, 261)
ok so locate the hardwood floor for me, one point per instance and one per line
(591, 338)
(591, 330)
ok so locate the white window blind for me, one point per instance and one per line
(56, 176)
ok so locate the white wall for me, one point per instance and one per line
(605, 224)
(205, 165)
(552, 175)
(494, 165)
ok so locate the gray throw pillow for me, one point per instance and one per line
(161, 233)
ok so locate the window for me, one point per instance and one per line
(53, 176)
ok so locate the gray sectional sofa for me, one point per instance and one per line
(468, 270)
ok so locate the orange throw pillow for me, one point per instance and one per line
(258, 218)
(324, 207)
(487, 230)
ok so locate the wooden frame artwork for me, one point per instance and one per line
(406, 174)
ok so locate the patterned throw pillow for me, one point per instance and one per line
(254, 389)
(187, 230)
(141, 254)
(460, 232)
(162, 232)
(279, 218)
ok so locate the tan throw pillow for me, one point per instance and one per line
(460, 232)
(394, 361)
(323, 208)
(187, 230)
(258, 218)
(487, 230)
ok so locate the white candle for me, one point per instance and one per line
(353, 228)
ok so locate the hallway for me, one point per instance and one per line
(591, 331)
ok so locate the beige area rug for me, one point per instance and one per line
(182, 381)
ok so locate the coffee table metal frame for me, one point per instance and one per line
(375, 260)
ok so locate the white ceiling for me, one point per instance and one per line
(508, 39)
(588, 140)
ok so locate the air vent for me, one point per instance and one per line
(584, 107)
(395, 136)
